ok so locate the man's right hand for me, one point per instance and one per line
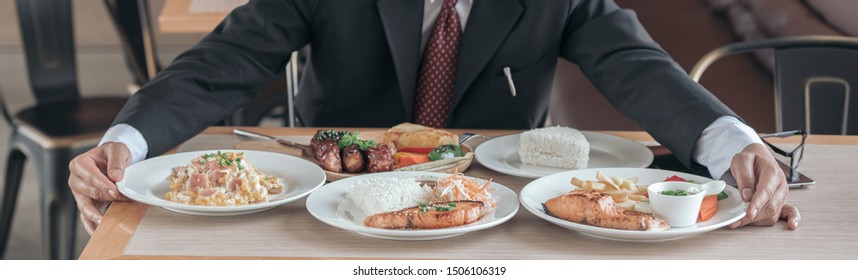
(92, 180)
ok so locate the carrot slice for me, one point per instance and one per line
(708, 208)
(406, 159)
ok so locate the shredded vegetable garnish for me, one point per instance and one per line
(459, 187)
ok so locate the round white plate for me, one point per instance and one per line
(501, 155)
(537, 192)
(146, 181)
(325, 205)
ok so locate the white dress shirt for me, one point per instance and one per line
(718, 143)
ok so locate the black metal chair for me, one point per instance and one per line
(132, 21)
(277, 94)
(57, 128)
(812, 79)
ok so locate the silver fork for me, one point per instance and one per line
(464, 137)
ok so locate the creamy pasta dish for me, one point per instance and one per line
(221, 179)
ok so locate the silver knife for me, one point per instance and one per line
(307, 149)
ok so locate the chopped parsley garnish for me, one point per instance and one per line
(447, 207)
(222, 159)
(425, 208)
(674, 192)
(349, 139)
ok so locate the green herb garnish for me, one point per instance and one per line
(349, 139)
(446, 152)
(222, 159)
(722, 195)
(674, 192)
(447, 207)
(366, 144)
(423, 208)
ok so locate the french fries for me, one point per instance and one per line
(607, 180)
(593, 185)
(619, 196)
(628, 185)
(577, 182)
(623, 191)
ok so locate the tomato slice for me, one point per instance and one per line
(675, 178)
(425, 150)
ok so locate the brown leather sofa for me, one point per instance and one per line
(687, 30)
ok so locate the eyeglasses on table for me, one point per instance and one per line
(794, 156)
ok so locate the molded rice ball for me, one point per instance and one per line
(556, 146)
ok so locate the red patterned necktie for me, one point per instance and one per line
(435, 82)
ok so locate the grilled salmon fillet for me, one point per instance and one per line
(599, 209)
(438, 215)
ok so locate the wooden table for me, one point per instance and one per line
(136, 231)
(178, 16)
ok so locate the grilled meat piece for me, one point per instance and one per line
(328, 155)
(438, 215)
(353, 159)
(380, 158)
(323, 135)
(599, 209)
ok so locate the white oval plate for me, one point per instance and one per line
(537, 192)
(146, 181)
(501, 155)
(324, 204)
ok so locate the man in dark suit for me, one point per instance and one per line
(443, 63)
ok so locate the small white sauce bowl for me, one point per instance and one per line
(678, 211)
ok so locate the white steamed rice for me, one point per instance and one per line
(384, 194)
(556, 146)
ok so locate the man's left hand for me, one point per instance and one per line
(763, 185)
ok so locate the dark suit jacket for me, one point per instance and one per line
(362, 70)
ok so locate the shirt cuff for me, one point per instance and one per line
(720, 141)
(131, 137)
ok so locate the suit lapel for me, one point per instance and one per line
(403, 22)
(487, 27)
